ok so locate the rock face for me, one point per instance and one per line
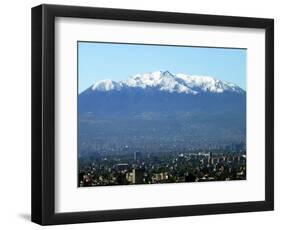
(161, 111)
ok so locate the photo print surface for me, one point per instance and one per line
(155, 114)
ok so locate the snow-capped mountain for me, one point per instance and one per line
(168, 82)
(161, 111)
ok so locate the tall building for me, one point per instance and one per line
(137, 156)
(210, 158)
(138, 176)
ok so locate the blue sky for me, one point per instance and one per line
(98, 61)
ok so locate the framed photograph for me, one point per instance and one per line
(143, 114)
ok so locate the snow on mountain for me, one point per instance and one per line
(106, 85)
(209, 84)
(168, 82)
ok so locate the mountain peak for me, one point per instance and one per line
(166, 73)
(168, 82)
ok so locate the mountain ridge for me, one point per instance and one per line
(152, 113)
(168, 82)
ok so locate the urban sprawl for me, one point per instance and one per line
(156, 168)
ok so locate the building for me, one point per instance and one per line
(137, 156)
(129, 177)
(122, 166)
(160, 177)
(138, 176)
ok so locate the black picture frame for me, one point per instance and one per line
(43, 114)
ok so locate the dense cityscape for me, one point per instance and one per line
(157, 168)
